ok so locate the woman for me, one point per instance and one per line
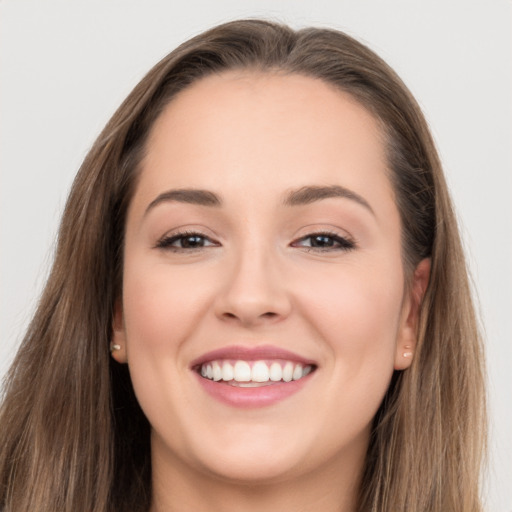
(258, 292)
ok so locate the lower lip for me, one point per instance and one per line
(252, 397)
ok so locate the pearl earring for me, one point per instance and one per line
(407, 354)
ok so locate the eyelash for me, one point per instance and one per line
(343, 244)
(167, 241)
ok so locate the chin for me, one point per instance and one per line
(251, 469)
(241, 454)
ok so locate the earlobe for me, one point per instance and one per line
(407, 338)
(118, 342)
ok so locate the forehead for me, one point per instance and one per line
(245, 129)
(245, 99)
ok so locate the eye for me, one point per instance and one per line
(187, 241)
(324, 242)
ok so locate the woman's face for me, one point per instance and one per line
(263, 245)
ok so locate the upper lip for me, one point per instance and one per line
(244, 353)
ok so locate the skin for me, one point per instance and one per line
(251, 139)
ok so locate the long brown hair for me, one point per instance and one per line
(73, 437)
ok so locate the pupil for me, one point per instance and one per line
(192, 241)
(322, 241)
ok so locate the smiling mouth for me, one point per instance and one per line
(253, 374)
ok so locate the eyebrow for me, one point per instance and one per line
(302, 196)
(187, 195)
(311, 194)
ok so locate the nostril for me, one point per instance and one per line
(269, 315)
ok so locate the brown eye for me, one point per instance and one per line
(185, 241)
(191, 241)
(324, 242)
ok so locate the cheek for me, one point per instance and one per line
(161, 306)
(352, 312)
(356, 311)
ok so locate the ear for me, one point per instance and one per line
(408, 330)
(118, 342)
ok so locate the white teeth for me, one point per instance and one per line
(297, 372)
(242, 371)
(288, 372)
(227, 372)
(217, 371)
(261, 372)
(276, 372)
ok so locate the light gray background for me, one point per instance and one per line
(65, 67)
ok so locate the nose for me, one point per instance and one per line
(254, 291)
